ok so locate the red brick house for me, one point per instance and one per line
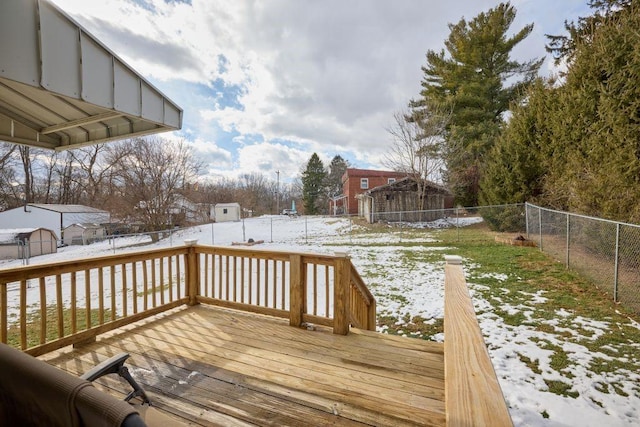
(357, 181)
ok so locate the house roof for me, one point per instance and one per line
(353, 172)
(61, 88)
(405, 184)
(67, 208)
(227, 205)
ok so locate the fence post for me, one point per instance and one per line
(192, 271)
(615, 271)
(297, 281)
(341, 293)
(540, 226)
(3, 313)
(568, 239)
(526, 218)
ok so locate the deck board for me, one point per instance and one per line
(214, 366)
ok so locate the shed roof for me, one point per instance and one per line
(61, 88)
(85, 226)
(11, 235)
(67, 208)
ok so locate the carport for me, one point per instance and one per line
(61, 88)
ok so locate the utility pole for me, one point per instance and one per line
(278, 193)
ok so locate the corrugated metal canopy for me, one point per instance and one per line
(60, 88)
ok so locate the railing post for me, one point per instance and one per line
(296, 290)
(371, 316)
(342, 275)
(193, 271)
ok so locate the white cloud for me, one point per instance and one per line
(326, 76)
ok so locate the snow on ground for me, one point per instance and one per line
(406, 276)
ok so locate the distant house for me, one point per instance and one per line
(83, 234)
(184, 211)
(401, 201)
(51, 216)
(223, 212)
(358, 181)
(24, 243)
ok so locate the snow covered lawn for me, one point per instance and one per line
(557, 366)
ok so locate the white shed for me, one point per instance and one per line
(223, 212)
(51, 216)
(83, 234)
(23, 243)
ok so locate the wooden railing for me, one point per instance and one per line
(472, 393)
(48, 306)
(45, 307)
(306, 288)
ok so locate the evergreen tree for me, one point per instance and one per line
(563, 47)
(515, 167)
(467, 82)
(575, 146)
(599, 130)
(337, 168)
(313, 179)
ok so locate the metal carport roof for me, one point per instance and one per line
(60, 88)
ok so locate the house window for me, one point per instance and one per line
(391, 180)
(224, 211)
(364, 183)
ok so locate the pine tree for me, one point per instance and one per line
(467, 81)
(600, 129)
(313, 179)
(515, 167)
(575, 146)
(337, 168)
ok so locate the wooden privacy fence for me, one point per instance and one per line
(48, 306)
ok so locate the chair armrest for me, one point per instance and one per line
(115, 365)
(109, 366)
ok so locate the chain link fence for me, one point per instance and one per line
(606, 252)
(284, 228)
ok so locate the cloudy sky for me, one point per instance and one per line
(265, 83)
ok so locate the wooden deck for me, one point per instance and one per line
(208, 365)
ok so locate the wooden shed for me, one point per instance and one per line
(83, 234)
(24, 243)
(407, 199)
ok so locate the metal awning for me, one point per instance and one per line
(60, 88)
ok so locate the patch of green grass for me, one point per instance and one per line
(513, 319)
(534, 365)
(34, 325)
(417, 326)
(150, 290)
(561, 388)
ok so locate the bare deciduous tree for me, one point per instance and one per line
(416, 148)
(150, 175)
